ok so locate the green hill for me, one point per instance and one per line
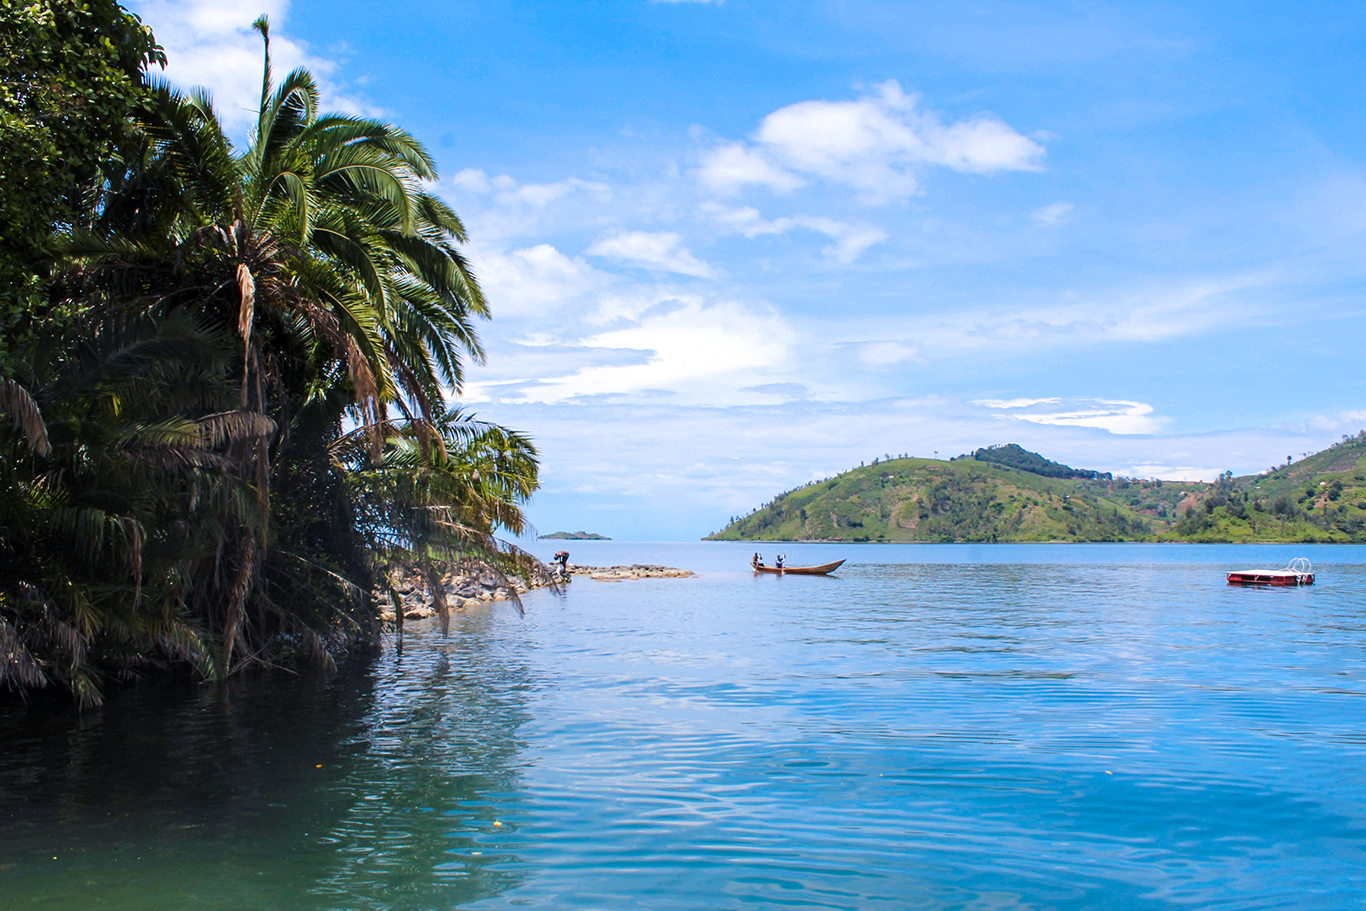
(971, 498)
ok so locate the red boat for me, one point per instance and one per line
(1299, 572)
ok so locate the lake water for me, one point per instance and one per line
(958, 726)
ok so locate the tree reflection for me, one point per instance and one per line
(394, 784)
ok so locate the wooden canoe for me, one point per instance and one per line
(821, 570)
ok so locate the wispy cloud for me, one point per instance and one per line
(690, 348)
(1143, 314)
(678, 470)
(1053, 214)
(1351, 421)
(887, 353)
(508, 192)
(850, 240)
(1122, 417)
(662, 251)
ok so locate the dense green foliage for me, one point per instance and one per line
(229, 421)
(1320, 498)
(70, 80)
(1013, 455)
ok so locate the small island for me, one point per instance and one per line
(574, 536)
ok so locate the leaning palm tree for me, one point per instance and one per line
(443, 493)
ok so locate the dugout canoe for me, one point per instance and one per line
(823, 569)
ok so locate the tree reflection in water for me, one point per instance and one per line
(394, 784)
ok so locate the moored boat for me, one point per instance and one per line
(1299, 572)
(823, 569)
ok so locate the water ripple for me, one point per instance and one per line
(935, 728)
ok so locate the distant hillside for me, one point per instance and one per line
(574, 536)
(1320, 498)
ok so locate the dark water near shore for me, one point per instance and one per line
(984, 727)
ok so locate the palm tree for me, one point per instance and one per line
(298, 459)
(317, 238)
(100, 523)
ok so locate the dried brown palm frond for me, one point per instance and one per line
(16, 401)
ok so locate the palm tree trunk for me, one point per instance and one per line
(438, 590)
(238, 602)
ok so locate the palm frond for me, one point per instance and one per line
(16, 401)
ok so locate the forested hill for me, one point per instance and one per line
(1013, 455)
(970, 498)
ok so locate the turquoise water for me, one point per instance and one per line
(983, 727)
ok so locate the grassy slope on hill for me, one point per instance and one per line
(1319, 498)
(1322, 497)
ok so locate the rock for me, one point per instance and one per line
(480, 586)
(635, 571)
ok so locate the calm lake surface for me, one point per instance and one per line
(957, 726)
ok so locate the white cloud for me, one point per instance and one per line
(1172, 472)
(472, 180)
(1116, 416)
(668, 470)
(500, 212)
(887, 354)
(1351, 422)
(1052, 214)
(1145, 315)
(730, 167)
(706, 352)
(850, 239)
(875, 144)
(535, 281)
(210, 43)
(662, 252)
(508, 192)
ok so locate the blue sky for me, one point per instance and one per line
(731, 247)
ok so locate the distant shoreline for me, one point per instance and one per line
(1161, 541)
(1008, 495)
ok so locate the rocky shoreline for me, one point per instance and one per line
(627, 573)
(478, 585)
